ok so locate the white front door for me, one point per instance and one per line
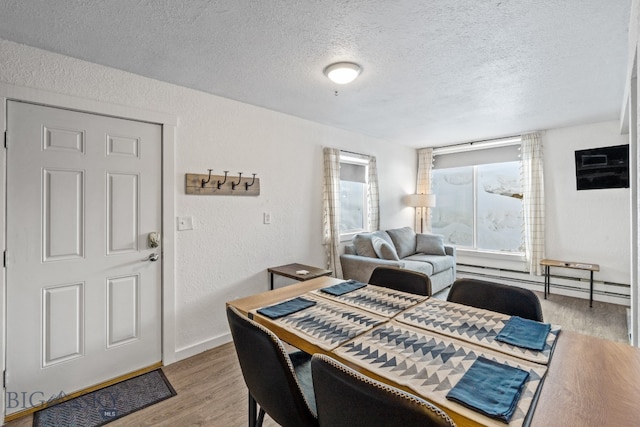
(83, 289)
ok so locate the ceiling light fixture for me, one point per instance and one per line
(342, 72)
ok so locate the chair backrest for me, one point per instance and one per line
(401, 280)
(268, 372)
(496, 297)
(347, 398)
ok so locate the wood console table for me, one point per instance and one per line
(290, 271)
(548, 263)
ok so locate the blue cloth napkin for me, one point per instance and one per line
(490, 388)
(524, 333)
(285, 308)
(343, 288)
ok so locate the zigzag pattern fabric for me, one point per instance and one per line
(473, 325)
(431, 364)
(375, 299)
(328, 324)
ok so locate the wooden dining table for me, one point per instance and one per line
(589, 381)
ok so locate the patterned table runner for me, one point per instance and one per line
(327, 324)
(473, 325)
(375, 299)
(430, 364)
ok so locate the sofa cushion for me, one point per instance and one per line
(404, 239)
(364, 247)
(430, 244)
(419, 266)
(439, 262)
(384, 249)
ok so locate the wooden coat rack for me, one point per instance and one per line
(221, 185)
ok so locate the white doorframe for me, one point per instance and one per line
(169, 123)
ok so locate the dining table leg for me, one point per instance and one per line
(253, 411)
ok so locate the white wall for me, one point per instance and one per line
(591, 226)
(228, 252)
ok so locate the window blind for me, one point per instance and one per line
(352, 172)
(508, 153)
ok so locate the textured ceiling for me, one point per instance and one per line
(434, 71)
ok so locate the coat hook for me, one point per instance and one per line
(247, 185)
(207, 181)
(235, 184)
(225, 180)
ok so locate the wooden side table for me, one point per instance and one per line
(548, 263)
(290, 271)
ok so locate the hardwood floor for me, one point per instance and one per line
(211, 391)
(603, 320)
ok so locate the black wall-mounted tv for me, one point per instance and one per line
(606, 167)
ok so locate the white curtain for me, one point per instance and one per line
(533, 201)
(374, 199)
(423, 186)
(331, 209)
(331, 205)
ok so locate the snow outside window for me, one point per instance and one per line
(353, 195)
(479, 207)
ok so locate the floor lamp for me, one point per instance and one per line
(422, 202)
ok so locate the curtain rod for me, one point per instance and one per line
(351, 152)
(478, 141)
(354, 153)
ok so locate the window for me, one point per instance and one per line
(353, 194)
(479, 206)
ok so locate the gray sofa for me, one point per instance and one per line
(400, 247)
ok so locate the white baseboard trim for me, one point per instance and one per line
(192, 350)
(613, 293)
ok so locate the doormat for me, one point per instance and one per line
(107, 404)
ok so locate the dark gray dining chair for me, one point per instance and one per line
(400, 279)
(504, 299)
(345, 397)
(280, 383)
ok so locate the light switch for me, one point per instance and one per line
(185, 223)
(266, 217)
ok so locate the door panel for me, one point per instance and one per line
(122, 146)
(63, 139)
(122, 213)
(83, 300)
(63, 214)
(63, 323)
(122, 297)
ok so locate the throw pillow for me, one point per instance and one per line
(430, 244)
(363, 246)
(404, 239)
(383, 249)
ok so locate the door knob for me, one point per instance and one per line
(153, 257)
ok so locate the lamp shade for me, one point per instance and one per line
(342, 72)
(420, 200)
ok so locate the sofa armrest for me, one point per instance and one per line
(359, 267)
(450, 250)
